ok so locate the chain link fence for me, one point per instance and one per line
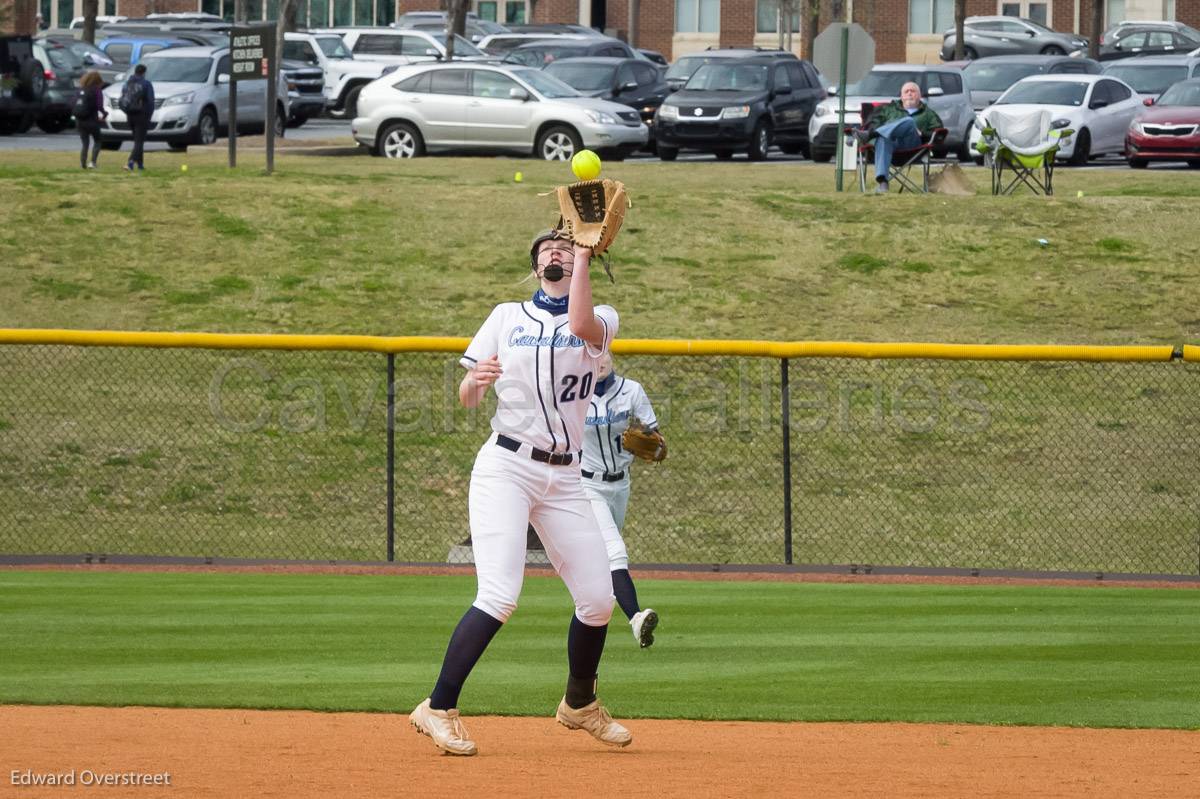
(1028, 465)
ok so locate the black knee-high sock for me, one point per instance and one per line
(472, 635)
(625, 592)
(585, 645)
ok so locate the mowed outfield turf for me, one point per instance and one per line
(1076, 656)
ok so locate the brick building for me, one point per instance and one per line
(904, 30)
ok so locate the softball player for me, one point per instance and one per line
(606, 480)
(541, 357)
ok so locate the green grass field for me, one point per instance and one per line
(765, 651)
(1077, 467)
(354, 244)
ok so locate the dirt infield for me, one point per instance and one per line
(233, 753)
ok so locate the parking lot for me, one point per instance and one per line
(327, 133)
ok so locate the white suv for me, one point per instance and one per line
(465, 106)
(191, 100)
(404, 46)
(344, 74)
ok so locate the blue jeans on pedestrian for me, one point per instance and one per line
(901, 134)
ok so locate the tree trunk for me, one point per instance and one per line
(456, 22)
(813, 7)
(286, 23)
(787, 12)
(1097, 28)
(634, 10)
(90, 8)
(960, 16)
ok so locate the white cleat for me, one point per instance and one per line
(643, 624)
(444, 727)
(595, 719)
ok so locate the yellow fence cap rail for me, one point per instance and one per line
(1191, 353)
(235, 341)
(879, 350)
(699, 347)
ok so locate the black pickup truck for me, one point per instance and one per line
(22, 85)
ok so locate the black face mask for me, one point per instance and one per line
(553, 272)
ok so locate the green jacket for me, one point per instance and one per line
(925, 118)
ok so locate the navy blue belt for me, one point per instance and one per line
(608, 477)
(540, 455)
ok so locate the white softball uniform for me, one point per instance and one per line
(606, 464)
(528, 471)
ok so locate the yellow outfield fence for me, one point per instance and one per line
(353, 448)
(750, 349)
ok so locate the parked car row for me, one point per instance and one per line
(39, 82)
(985, 36)
(191, 100)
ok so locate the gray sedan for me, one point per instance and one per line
(985, 36)
(990, 77)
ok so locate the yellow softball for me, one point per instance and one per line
(585, 165)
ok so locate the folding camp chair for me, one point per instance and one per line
(1023, 143)
(903, 161)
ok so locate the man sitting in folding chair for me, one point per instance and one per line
(904, 127)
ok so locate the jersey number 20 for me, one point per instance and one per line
(570, 381)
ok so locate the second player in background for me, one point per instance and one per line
(615, 400)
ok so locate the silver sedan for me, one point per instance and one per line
(465, 106)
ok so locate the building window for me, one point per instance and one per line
(1036, 10)
(514, 12)
(486, 9)
(697, 16)
(318, 13)
(768, 15)
(1115, 9)
(930, 16)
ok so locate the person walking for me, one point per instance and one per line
(541, 355)
(137, 101)
(89, 113)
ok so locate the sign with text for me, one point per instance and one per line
(252, 49)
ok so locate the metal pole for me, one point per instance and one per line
(272, 85)
(239, 18)
(232, 120)
(391, 457)
(842, 105)
(786, 405)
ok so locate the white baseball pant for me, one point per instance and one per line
(509, 491)
(609, 501)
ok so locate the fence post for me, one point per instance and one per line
(391, 457)
(785, 402)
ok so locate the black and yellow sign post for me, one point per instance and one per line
(252, 57)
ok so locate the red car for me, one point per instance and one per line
(1169, 130)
